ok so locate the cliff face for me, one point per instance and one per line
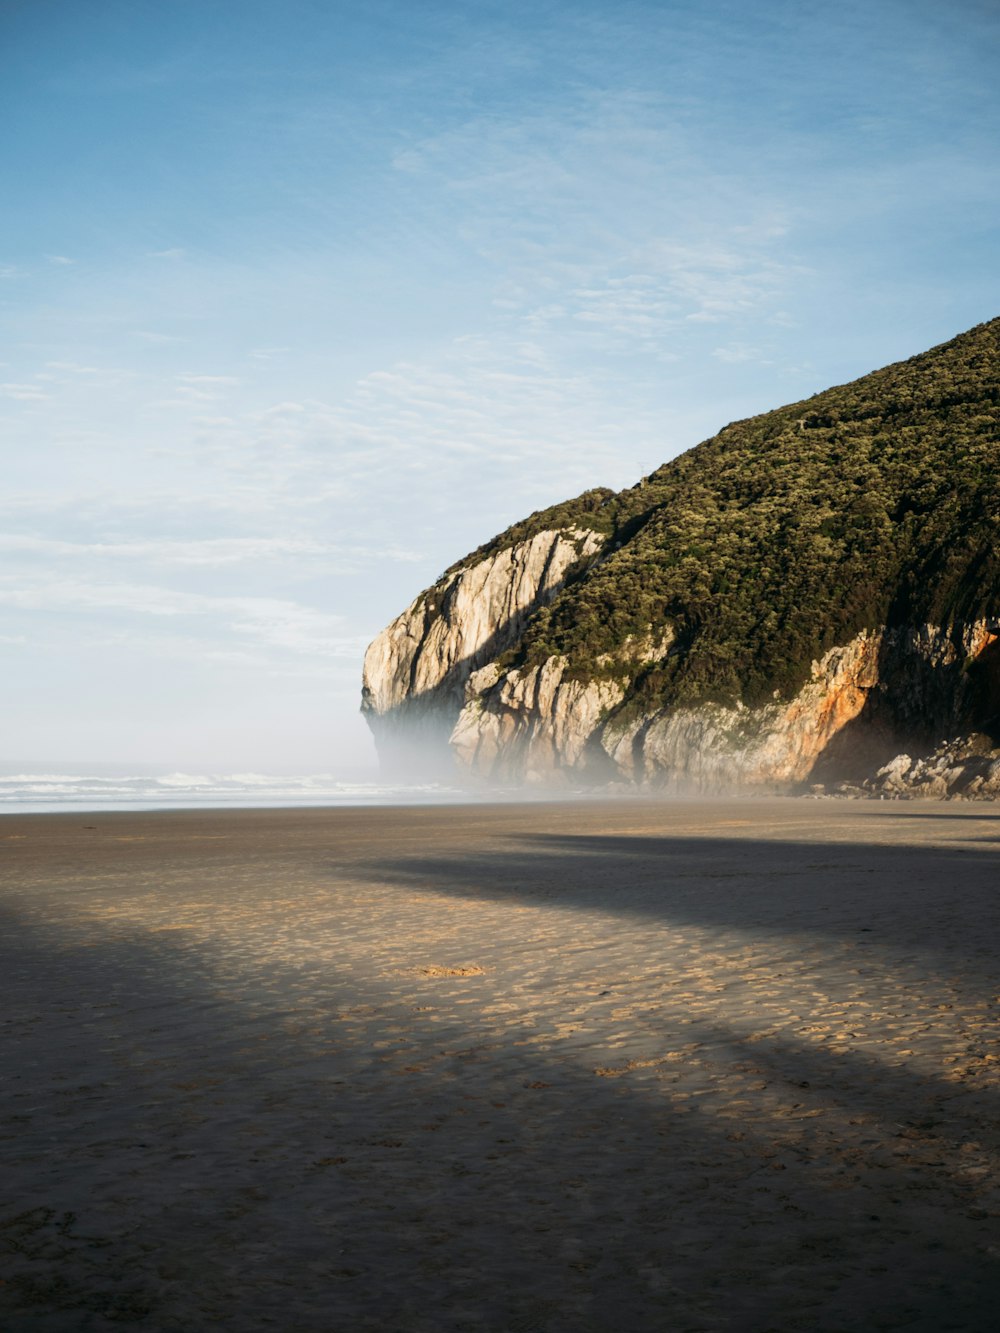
(531, 726)
(535, 726)
(714, 748)
(811, 597)
(416, 670)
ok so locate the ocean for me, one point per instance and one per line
(46, 793)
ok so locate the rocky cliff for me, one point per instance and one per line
(805, 600)
(417, 670)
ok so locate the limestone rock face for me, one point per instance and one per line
(716, 749)
(416, 670)
(862, 699)
(530, 726)
(540, 725)
(535, 726)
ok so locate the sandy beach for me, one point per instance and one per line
(554, 1067)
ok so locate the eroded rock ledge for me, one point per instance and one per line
(966, 768)
(416, 671)
(534, 726)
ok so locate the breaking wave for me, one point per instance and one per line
(37, 793)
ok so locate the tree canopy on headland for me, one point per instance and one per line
(873, 503)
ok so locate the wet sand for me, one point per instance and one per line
(590, 1067)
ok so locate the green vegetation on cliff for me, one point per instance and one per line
(593, 510)
(876, 502)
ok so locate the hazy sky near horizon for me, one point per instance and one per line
(302, 301)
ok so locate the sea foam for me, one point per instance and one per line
(35, 793)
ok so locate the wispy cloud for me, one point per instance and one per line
(152, 336)
(267, 353)
(208, 647)
(737, 353)
(651, 306)
(227, 380)
(203, 388)
(609, 226)
(485, 408)
(208, 552)
(717, 280)
(73, 368)
(278, 622)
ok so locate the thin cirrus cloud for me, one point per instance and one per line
(204, 388)
(276, 621)
(647, 309)
(208, 381)
(482, 408)
(155, 336)
(498, 401)
(74, 368)
(209, 551)
(549, 192)
(738, 353)
(204, 650)
(561, 211)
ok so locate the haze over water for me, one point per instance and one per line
(33, 793)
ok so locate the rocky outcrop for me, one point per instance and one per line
(809, 598)
(416, 670)
(531, 726)
(536, 725)
(967, 768)
(716, 749)
(543, 725)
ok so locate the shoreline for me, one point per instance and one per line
(515, 797)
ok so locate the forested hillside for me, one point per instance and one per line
(873, 503)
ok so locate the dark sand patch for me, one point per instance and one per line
(582, 1067)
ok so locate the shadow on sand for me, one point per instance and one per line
(200, 1136)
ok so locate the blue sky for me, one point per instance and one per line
(299, 302)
